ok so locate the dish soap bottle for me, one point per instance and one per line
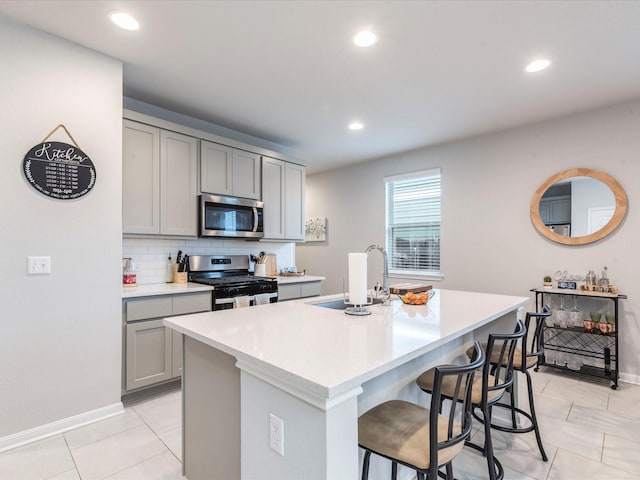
(169, 274)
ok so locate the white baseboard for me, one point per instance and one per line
(60, 426)
(628, 378)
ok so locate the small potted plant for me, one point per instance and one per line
(546, 282)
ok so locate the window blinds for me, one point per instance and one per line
(413, 212)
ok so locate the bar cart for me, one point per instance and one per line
(595, 342)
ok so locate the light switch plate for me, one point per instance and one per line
(38, 265)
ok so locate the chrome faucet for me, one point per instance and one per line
(385, 275)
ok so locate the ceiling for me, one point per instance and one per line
(287, 71)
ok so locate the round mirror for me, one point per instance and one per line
(578, 206)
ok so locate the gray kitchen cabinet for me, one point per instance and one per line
(140, 178)
(283, 186)
(149, 356)
(291, 291)
(294, 201)
(159, 189)
(153, 352)
(179, 188)
(273, 196)
(555, 210)
(229, 171)
(216, 167)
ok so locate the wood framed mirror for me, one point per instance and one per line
(578, 206)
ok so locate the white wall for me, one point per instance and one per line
(60, 334)
(488, 241)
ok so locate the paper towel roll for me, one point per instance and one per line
(358, 278)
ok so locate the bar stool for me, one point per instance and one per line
(486, 390)
(524, 359)
(420, 438)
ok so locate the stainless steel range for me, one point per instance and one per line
(232, 280)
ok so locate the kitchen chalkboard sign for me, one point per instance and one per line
(59, 170)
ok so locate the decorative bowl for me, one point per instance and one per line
(419, 298)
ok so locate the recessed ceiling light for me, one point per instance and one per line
(538, 65)
(124, 20)
(365, 38)
(356, 126)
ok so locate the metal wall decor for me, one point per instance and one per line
(59, 170)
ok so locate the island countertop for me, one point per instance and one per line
(326, 352)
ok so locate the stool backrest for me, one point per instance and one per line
(456, 432)
(497, 374)
(533, 348)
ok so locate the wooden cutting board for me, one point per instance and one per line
(403, 288)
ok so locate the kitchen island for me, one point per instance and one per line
(316, 369)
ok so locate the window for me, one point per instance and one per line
(413, 222)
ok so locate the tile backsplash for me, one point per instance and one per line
(151, 254)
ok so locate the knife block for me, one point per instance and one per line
(179, 277)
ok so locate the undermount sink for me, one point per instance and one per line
(340, 305)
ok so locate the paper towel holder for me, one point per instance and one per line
(358, 310)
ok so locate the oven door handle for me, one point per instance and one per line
(252, 298)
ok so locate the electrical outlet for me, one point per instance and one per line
(38, 265)
(276, 434)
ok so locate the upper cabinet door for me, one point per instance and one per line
(273, 196)
(216, 168)
(178, 194)
(228, 171)
(295, 199)
(283, 193)
(246, 174)
(140, 178)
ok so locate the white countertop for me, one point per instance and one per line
(327, 352)
(173, 288)
(303, 279)
(163, 289)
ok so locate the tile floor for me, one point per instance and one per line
(589, 432)
(142, 443)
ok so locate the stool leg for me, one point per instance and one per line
(365, 465)
(513, 407)
(450, 471)
(394, 470)
(532, 408)
(488, 443)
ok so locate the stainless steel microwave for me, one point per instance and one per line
(222, 216)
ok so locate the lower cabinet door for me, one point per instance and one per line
(149, 355)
